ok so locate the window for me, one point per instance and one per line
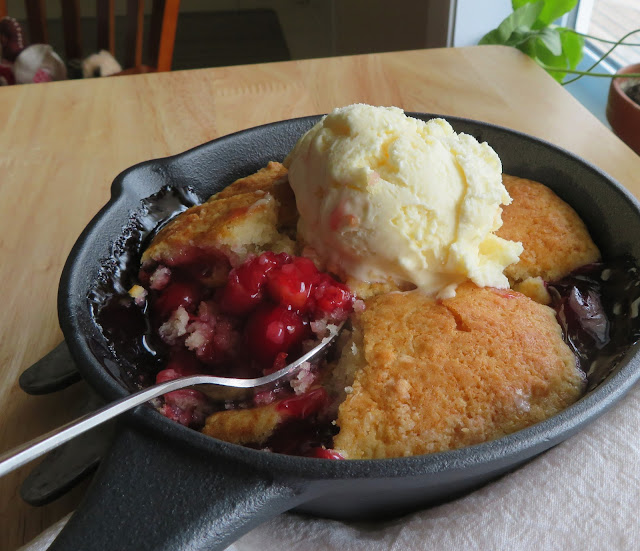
(611, 20)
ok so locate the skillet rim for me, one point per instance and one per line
(510, 449)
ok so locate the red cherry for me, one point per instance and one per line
(332, 297)
(167, 375)
(279, 363)
(288, 287)
(243, 291)
(306, 267)
(183, 363)
(180, 405)
(179, 415)
(292, 283)
(178, 293)
(306, 404)
(324, 453)
(274, 329)
(235, 299)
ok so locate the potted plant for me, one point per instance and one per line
(623, 106)
(530, 28)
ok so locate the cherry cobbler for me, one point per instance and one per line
(227, 288)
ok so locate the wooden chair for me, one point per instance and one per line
(164, 19)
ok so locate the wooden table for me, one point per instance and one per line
(63, 143)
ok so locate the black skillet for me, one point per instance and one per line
(166, 487)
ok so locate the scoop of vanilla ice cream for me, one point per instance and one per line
(382, 195)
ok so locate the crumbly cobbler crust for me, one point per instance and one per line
(555, 239)
(438, 375)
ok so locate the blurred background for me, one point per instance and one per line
(227, 32)
(230, 32)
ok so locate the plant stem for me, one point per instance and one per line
(604, 39)
(588, 71)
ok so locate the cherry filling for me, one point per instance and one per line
(259, 318)
(268, 312)
(305, 405)
(185, 293)
(597, 308)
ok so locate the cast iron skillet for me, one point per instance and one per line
(166, 487)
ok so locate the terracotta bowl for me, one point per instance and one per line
(622, 112)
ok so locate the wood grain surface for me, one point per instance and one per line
(63, 143)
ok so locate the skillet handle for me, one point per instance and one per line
(149, 494)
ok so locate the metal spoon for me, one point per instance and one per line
(25, 453)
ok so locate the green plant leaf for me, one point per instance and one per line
(492, 37)
(552, 40)
(521, 20)
(530, 29)
(572, 46)
(556, 64)
(568, 58)
(520, 36)
(552, 10)
(529, 47)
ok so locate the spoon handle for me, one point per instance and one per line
(25, 453)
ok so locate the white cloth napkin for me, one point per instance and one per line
(582, 495)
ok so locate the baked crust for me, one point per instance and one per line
(555, 239)
(440, 375)
(272, 179)
(244, 426)
(250, 216)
